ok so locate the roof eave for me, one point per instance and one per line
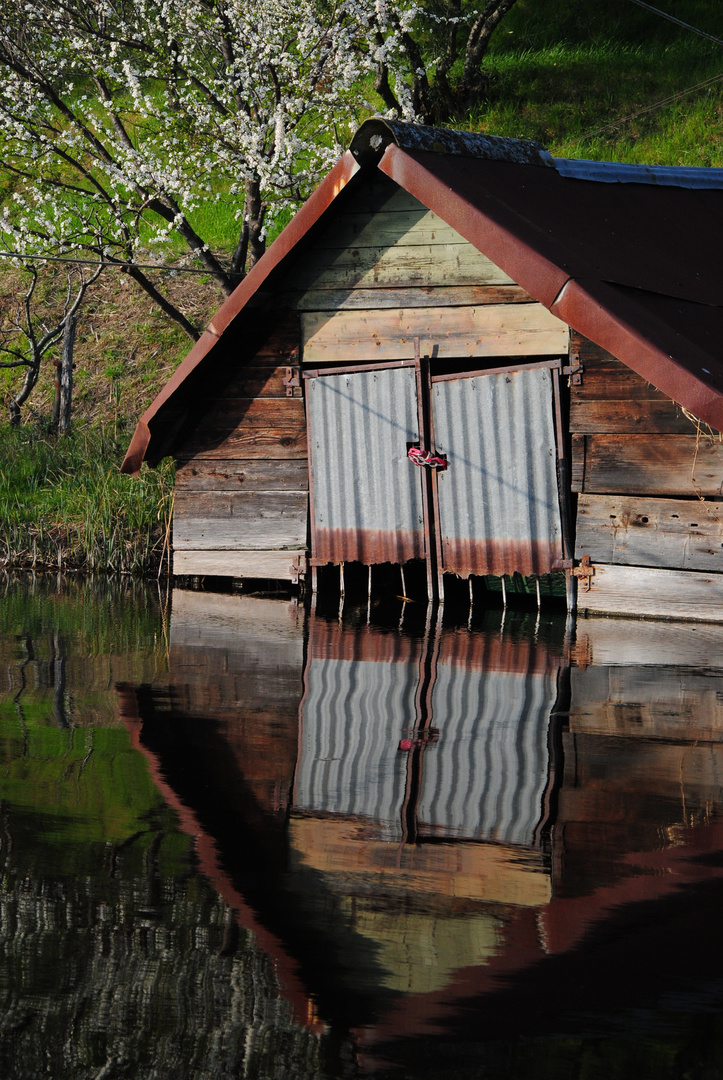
(317, 203)
(617, 324)
(592, 308)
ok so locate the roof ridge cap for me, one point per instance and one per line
(372, 138)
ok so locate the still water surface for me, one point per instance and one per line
(241, 840)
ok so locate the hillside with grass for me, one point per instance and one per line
(603, 80)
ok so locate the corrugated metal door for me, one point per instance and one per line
(497, 503)
(366, 501)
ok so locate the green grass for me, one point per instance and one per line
(64, 505)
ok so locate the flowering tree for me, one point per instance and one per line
(119, 119)
(441, 53)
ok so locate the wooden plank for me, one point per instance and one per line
(648, 642)
(243, 505)
(430, 296)
(401, 227)
(647, 417)
(422, 265)
(255, 381)
(681, 534)
(255, 519)
(249, 442)
(256, 412)
(667, 594)
(232, 534)
(647, 464)
(493, 330)
(278, 565)
(208, 474)
(618, 383)
(252, 428)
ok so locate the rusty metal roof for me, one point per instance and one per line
(627, 255)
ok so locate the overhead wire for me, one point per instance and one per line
(650, 108)
(678, 22)
(119, 264)
(673, 97)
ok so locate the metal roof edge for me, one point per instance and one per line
(609, 319)
(373, 136)
(617, 172)
(321, 198)
(541, 278)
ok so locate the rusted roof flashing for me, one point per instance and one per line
(615, 172)
(375, 135)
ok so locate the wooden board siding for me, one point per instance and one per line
(658, 593)
(684, 534)
(261, 428)
(649, 510)
(653, 464)
(225, 521)
(444, 332)
(629, 417)
(275, 565)
(242, 484)
(230, 475)
(405, 297)
(381, 267)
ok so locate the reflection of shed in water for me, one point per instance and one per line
(623, 810)
(435, 295)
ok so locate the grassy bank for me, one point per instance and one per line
(64, 505)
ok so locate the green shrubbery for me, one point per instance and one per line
(65, 505)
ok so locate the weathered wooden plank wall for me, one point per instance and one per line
(383, 270)
(241, 485)
(650, 482)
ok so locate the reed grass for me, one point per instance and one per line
(64, 505)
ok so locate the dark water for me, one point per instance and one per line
(240, 840)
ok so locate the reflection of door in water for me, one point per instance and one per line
(366, 497)
(498, 501)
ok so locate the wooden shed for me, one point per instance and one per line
(465, 351)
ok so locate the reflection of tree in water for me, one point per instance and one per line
(131, 969)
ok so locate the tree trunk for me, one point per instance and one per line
(31, 377)
(254, 213)
(66, 376)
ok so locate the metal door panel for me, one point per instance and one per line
(366, 497)
(498, 501)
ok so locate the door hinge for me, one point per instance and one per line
(291, 381)
(584, 571)
(574, 369)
